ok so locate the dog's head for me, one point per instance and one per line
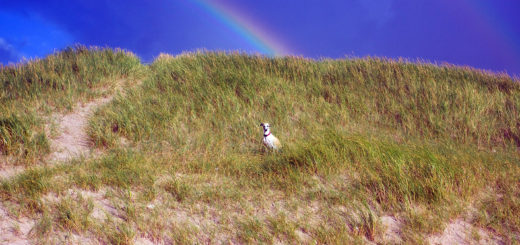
(265, 126)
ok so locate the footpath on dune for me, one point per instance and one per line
(72, 141)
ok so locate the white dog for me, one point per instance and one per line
(270, 141)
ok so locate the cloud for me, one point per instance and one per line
(7, 52)
(24, 34)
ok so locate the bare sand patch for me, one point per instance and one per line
(392, 230)
(462, 232)
(14, 230)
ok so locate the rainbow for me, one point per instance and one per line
(502, 34)
(252, 31)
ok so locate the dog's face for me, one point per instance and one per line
(265, 126)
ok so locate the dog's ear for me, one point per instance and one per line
(261, 124)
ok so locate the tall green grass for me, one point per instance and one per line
(227, 95)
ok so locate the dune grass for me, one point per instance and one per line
(363, 138)
(220, 91)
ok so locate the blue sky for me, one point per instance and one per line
(479, 33)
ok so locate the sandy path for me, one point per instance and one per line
(73, 140)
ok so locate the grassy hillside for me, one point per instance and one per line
(363, 138)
